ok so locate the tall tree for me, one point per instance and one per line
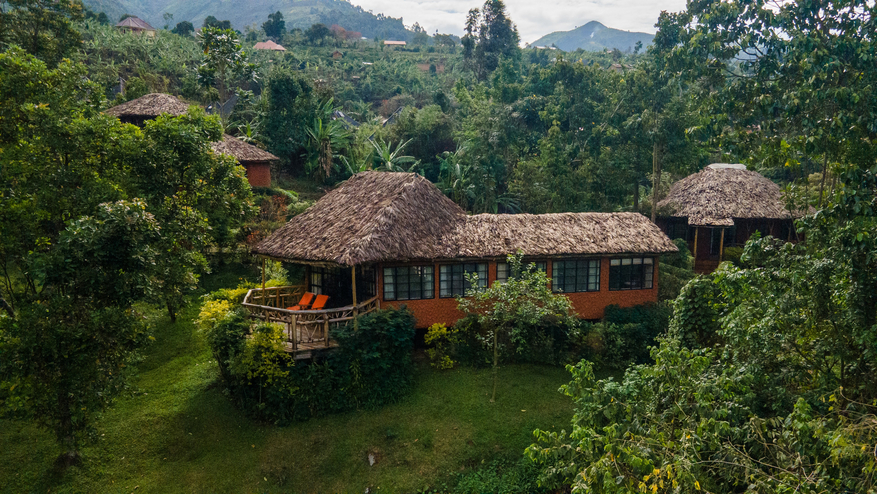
(275, 26)
(225, 63)
(490, 36)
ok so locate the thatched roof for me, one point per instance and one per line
(497, 235)
(717, 195)
(135, 23)
(240, 150)
(149, 106)
(371, 217)
(268, 45)
(378, 216)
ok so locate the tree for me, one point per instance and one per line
(328, 137)
(490, 36)
(290, 108)
(211, 21)
(275, 26)
(44, 28)
(389, 159)
(184, 28)
(94, 215)
(507, 310)
(225, 62)
(317, 33)
(168, 18)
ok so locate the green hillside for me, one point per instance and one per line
(594, 36)
(297, 14)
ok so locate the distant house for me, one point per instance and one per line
(390, 239)
(721, 207)
(136, 25)
(256, 161)
(268, 45)
(394, 43)
(337, 55)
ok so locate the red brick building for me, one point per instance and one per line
(397, 239)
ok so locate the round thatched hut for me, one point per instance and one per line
(256, 161)
(721, 207)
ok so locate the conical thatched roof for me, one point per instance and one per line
(135, 23)
(268, 45)
(377, 216)
(717, 195)
(149, 106)
(242, 151)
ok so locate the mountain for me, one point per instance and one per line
(297, 14)
(594, 36)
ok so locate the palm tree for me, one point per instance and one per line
(327, 138)
(389, 159)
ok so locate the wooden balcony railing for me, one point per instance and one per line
(305, 330)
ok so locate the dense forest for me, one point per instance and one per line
(762, 379)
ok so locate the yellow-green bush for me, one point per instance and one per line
(442, 340)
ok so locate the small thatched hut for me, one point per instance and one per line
(409, 244)
(136, 25)
(722, 206)
(256, 161)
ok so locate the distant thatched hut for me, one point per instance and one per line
(268, 45)
(136, 25)
(138, 111)
(409, 244)
(722, 206)
(256, 161)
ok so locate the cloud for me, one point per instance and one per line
(534, 19)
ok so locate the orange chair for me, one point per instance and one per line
(305, 303)
(320, 303)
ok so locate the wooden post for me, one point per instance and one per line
(722, 245)
(696, 229)
(293, 322)
(355, 310)
(326, 328)
(263, 281)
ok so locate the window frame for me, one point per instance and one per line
(646, 277)
(457, 277)
(593, 270)
(426, 285)
(540, 265)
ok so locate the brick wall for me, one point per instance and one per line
(258, 174)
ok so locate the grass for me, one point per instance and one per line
(178, 432)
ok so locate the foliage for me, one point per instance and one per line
(45, 29)
(490, 36)
(624, 336)
(442, 340)
(328, 137)
(291, 105)
(275, 26)
(514, 308)
(372, 366)
(184, 28)
(225, 63)
(677, 268)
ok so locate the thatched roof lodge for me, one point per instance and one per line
(136, 25)
(722, 206)
(412, 245)
(256, 161)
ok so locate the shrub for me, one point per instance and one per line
(371, 366)
(443, 341)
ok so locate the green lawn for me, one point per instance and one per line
(179, 433)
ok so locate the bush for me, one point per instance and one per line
(371, 366)
(624, 336)
(443, 341)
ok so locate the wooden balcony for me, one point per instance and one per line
(305, 330)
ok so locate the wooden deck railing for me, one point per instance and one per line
(305, 330)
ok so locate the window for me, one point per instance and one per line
(409, 283)
(319, 280)
(677, 229)
(452, 279)
(634, 273)
(716, 239)
(502, 269)
(582, 275)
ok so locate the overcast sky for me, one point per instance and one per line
(534, 18)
